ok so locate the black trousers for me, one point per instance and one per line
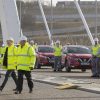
(27, 74)
(13, 75)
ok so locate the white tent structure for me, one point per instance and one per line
(9, 19)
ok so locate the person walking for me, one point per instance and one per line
(26, 58)
(9, 62)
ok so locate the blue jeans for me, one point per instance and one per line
(57, 64)
(13, 75)
(95, 66)
(98, 66)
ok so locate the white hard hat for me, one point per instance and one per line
(23, 38)
(96, 39)
(10, 38)
(58, 41)
(31, 41)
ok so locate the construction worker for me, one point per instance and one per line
(1, 55)
(57, 54)
(95, 50)
(32, 43)
(9, 61)
(25, 63)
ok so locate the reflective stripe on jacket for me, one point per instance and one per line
(26, 57)
(12, 59)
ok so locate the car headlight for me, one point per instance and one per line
(73, 58)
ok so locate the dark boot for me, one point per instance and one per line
(17, 92)
(1, 88)
(15, 89)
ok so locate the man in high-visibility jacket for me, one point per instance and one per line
(95, 50)
(57, 53)
(35, 47)
(9, 61)
(1, 54)
(26, 58)
(32, 43)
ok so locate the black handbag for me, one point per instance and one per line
(5, 59)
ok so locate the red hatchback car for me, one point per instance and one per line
(45, 56)
(76, 57)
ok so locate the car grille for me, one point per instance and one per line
(81, 60)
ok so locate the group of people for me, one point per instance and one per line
(95, 61)
(22, 59)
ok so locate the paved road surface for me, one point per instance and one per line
(45, 92)
(48, 92)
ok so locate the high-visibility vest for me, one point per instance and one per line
(95, 50)
(2, 51)
(57, 50)
(26, 57)
(1, 55)
(12, 58)
(34, 47)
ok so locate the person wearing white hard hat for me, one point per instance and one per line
(35, 47)
(96, 39)
(57, 42)
(95, 58)
(32, 43)
(9, 62)
(25, 63)
(57, 53)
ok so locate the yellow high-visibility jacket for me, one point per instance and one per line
(2, 52)
(1, 55)
(26, 57)
(57, 50)
(12, 58)
(95, 50)
(34, 46)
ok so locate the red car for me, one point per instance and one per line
(45, 56)
(76, 57)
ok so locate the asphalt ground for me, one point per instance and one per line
(74, 74)
(44, 92)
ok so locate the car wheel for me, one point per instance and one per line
(83, 70)
(68, 68)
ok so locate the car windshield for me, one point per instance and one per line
(79, 50)
(45, 49)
